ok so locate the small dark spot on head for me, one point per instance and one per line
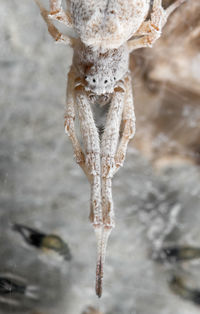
(106, 81)
(115, 78)
(94, 80)
(112, 12)
(86, 77)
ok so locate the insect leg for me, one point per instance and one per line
(109, 143)
(151, 30)
(173, 7)
(57, 13)
(91, 144)
(159, 16)
(69, 122)
(128, 124)
(55, 5)
(53, 31)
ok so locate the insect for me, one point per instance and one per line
(40, 240)
(108, 31)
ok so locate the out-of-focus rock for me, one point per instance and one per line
(167, 91)
(91, 310)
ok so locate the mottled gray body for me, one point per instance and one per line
(100, 67)
(107, 23)
(101, 71)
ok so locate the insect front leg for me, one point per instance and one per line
(91, 144)
(128, 123)
(69, 122)
(151, 30)
(92, 150)
(109, 144)
(53, 31)
(57, 13)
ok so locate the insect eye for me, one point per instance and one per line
(85, 77)
(105, 81)
(94, 80)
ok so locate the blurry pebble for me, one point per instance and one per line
(178, 286)
(44, 241)
(91, 310)
(178, 254)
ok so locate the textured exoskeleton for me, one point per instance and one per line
(108, 31)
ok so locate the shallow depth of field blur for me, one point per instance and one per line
(156, 193)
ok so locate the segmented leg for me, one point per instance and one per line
(109, 144)
(90, 161)
(57, 13)
(55, 5)
(128, 124)
(92, 157)
(53, 31)
(151, 30)
(69, 123)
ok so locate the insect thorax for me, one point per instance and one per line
(101, 70)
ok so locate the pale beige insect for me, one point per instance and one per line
(108, 31)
